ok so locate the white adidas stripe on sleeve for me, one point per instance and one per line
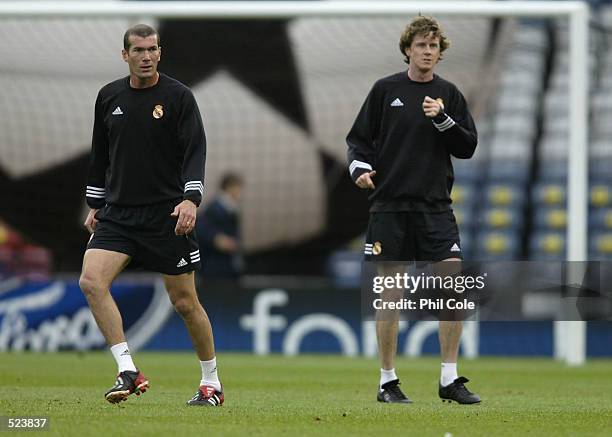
(95, 192)
(359, 164)
(445, 125)
(194, 186)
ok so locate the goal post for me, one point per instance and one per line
(570, 336)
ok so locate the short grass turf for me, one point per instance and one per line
(307, 395)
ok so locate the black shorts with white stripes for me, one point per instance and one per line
(412, 236)
(146, 234)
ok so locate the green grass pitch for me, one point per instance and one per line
(307, 395)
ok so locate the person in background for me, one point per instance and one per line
(218, 230)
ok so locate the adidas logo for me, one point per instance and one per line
(182, 263)
(455, 248)
(117, 111)
(125, 352)
(397, 102)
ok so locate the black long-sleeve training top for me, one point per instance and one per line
(410, 151)
(148, 145)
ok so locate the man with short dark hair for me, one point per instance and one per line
(219, 231)
(400, 147)
(145, 182)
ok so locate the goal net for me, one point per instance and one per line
(279, 85)
(277, 95)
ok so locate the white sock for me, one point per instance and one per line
(448, 373)
(386, 376)
(122, 356)
(209, 374)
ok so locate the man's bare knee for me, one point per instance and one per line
(100, 267)
(91, 286)
(186, 306)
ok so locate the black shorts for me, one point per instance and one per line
(412, 236)
(146, 233)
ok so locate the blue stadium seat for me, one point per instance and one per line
(467, 243)
(514, 124)
(344, 268)
(549, 194)
(553, 170)
(600, 246)
(463, 194)
(465, 217)
(467, 170)
(600, 195)
(600, 169)
(547, 246)
(502, 170)
(497, 246)
(504, 194)
(502, 218)
(552, 218)
(600, 219)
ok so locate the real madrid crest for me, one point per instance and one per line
(377, 249)
(158, 111)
